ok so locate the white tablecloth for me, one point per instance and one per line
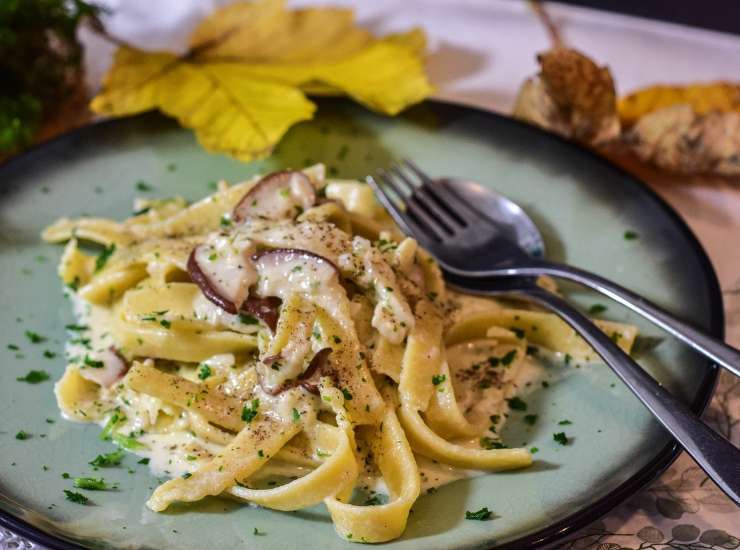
(481, 50)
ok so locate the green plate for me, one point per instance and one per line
(582, 204)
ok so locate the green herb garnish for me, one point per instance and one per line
(249, 412)
(630, 235)
(489, 443)
(596, 309)
(516, 404)
(296, 415)
(21, 435)
(92, 363)
(481, 515)
(104, 256)
(437, 379)
(530, 419)
(107, 460)
(77, 498)
(90, 483)
(248, 319)
(561, 438)
(346, 394)
(204, 371)
(34, 377)
(35, 337)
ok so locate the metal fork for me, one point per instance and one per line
(451, 229)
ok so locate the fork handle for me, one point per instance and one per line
(718, 351)
(716, 456)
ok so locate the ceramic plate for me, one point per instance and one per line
(582, 204)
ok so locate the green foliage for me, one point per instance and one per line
(39, 62)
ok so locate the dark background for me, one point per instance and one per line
(718, 15)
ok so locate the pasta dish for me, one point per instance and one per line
(281, 343)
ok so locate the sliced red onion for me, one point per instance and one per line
(283, 194)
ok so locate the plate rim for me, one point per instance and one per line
(576, 521)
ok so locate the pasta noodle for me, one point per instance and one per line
(281, 343)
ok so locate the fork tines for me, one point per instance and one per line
(419, 205)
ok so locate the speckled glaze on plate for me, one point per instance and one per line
(582, 204)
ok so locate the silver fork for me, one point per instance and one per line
(456, 234)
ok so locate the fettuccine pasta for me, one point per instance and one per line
(280, 343)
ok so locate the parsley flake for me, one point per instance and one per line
(104, 256)
(561, 438)
(249, 412)
(34, 377)
(75, 497)
(437, 379)
(517, 404)
(483, 514)
(90, 483)
(204, 371)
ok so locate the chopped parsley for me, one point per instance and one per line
(49, 354)
(337, 339)
(481, 515)
(92, 363)
(258, 533)
(532, 350)
(437, 379)
(248, 319)
(561, 438)
(115, 418)
(34, 377)
(296, 415)
(630, 235)
(533, 450)
(568, 358)
(35, 337)
(75, 497)
(596, 309)
(104, 256)
(517, 331)
(260, 453)
(565, 423)
(346, 394)
(516, 404)
(187, 475)
(21, 435)
(107, 460)
(143, 186)
(13, 347)
(225, 221)
(530, 419)
(508, 358)
(143, 461)
(128, 442)
(489, 443)
(204, 371)
(90, 483)
(249, 412)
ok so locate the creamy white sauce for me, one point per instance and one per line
(283, 273)
(225, 261)
(392, 316)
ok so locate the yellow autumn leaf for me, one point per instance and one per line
(242, 84)
(702, 98)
